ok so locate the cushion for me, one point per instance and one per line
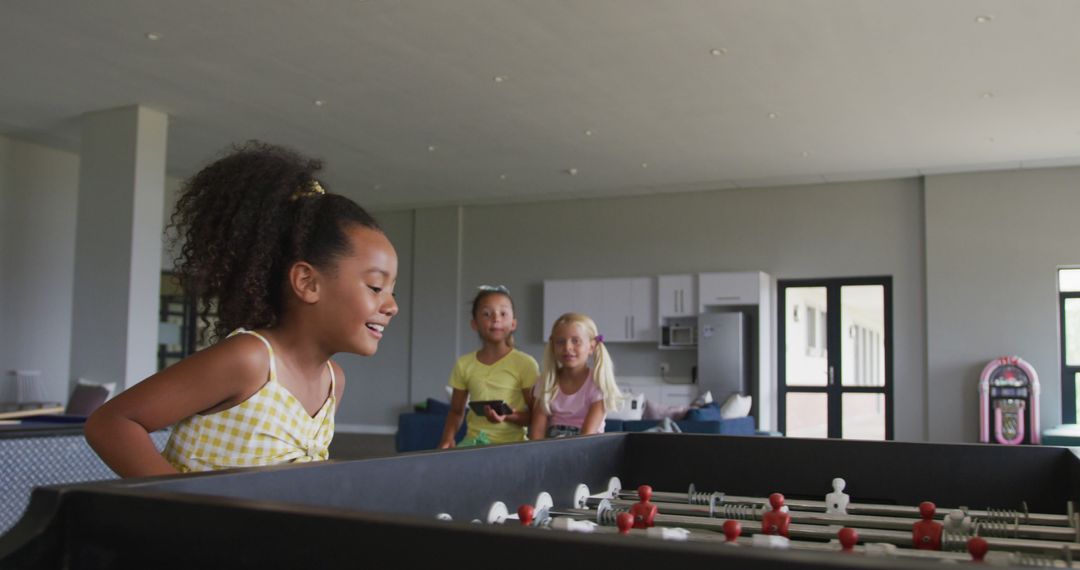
(87, 397)
(654, 411)
(707, 413)
(736, 406)
(437, 407)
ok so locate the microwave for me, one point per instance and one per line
(679, 335)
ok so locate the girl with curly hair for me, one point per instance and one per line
(297, 274)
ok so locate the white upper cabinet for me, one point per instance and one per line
(676, 297)
(624, 309)
(559, 296)
(643, 321)
(737, 288)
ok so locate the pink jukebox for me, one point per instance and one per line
(1009, 402)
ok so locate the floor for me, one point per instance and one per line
(361, 446)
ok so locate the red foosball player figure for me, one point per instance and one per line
(732, 530)
(977, 548)
(777, 520)
(849, 537)
(625, 522)
(526, 513)
(644, 512)
(926, 534)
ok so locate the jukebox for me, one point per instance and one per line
(1009, 402)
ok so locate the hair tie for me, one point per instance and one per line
(316, 189)
(599, 338)
(495, 288)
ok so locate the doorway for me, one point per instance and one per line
(835, 366)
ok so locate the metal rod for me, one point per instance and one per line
(725, 510)
(912, 512)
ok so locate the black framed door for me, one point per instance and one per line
(835, 363)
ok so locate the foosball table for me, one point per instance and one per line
(630, 499)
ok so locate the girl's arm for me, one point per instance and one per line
(213, 379)
(593, 418)
(454, 418)
(538, 425)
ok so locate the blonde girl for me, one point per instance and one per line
(572, 398)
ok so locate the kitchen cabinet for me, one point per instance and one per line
(624, 309)
(676, 296)
(734, 288)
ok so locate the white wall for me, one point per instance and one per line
(833, 230)
(7, 392)
(993, 244)
(38, 262)
(972, 256)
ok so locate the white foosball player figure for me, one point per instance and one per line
(957, 521)
(836, 502)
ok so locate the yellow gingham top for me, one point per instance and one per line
(268, 428)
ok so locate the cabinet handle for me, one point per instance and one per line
(626, 327)
(728, 298)
(676, 294)
(832, 380)
(633, 333)
(682, 301)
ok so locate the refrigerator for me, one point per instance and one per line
(725, 355)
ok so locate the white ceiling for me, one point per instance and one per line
(798, 91)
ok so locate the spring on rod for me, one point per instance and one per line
(999, 522)
(606, 514)
(1030, 559)
(994, 527)
(696, 498)
(954, 541)
(737, 512)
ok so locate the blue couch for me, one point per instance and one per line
(422, 429)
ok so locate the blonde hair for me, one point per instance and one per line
(603, 372)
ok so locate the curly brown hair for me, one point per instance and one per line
(244, 220)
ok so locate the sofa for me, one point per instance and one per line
(422, 428)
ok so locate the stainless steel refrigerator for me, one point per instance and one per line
(724, 354)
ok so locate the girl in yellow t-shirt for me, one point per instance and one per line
(497, 371)
(299, 274)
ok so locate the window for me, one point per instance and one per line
(1069, 298)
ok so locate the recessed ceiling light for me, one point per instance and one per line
(988, 95)
(805, 153)
(378, 187)
(588, 133)
(153, 36)
(319, 102)
(431, 148)
(572, 171)
(984, 19)
(773, 115)
(500, 78)
(718, 51)
(502, 177)
(644, 164)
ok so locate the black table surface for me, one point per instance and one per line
(340, 514)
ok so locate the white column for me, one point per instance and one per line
(118, 245)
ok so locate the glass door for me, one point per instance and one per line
(835, 370)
